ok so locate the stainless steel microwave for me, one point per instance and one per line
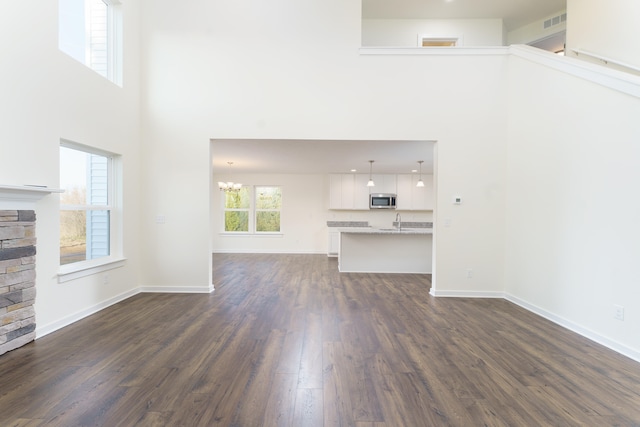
(382, 201)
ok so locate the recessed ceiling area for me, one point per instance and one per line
(514, 14)
(303, 156)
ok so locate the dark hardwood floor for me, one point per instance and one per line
(286, 340)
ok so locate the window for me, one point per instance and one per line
(236, 210)
(438, 41)
(90, 31)
(87, 205)
(260, 213)
(268, 203)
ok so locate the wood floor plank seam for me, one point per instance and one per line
(287, 340)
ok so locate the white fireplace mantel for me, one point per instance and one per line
(17, 196)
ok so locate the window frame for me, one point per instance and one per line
(79, 45)
(252, 228)
(248, 210)
(439, 41)
(115, 259)
(256, 210)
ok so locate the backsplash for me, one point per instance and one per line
(415, 224)
(347, 223)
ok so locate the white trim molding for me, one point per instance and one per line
(80, 269)
(593, 336)
(466, 294)
(435, 51)
(574, 327)
(613, 79)
(68, 320)
(23, 196)
(177, 289)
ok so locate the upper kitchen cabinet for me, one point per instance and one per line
(414, 198)
(350, 191)
(361, 192)
(384, 184)
(341, 188)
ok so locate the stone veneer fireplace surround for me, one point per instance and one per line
(18, 264)
(17, 278)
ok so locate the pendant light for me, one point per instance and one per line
(229, 187)
(420, 182)
(371, 183)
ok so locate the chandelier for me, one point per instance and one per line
(229, 186)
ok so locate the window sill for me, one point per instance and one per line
(87, 268)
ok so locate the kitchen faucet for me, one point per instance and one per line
(399, 221)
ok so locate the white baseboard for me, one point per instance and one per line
(66, 321)
(265, 251)
(177, 289)
(613, 345)
(466, 294)
(593, 336)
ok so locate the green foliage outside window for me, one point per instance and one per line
(236, 215)
(237, 200)
(268, 205)
(268, 221)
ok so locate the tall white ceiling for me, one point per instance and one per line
(319, 156)
(514, 13)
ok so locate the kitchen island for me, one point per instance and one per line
(386, 250)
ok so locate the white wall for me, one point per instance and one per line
(541, 171)
(304, 215)
(572, 215)
(46, 96)
(290, 77)
(405, 32)
(605, 28)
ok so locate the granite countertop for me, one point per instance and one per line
(363, 227)
(390, 230)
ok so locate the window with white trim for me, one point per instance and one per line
(87, 213)
(90, 31)
(253, 210)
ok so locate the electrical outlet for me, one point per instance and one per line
(469, 273)
(105, 279)
(618, 312)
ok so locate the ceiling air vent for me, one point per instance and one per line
(555, 20)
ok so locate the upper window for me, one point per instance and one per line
(268, 204)
(91, 32)
(430, 41)
(259, 213)
(86, 206)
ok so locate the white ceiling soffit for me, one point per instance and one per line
(319, 156)
(514, 14)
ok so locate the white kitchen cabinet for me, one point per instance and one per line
(411, 197)
(361, 192)
(384, 184)
(341, 187)
(350, 191)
